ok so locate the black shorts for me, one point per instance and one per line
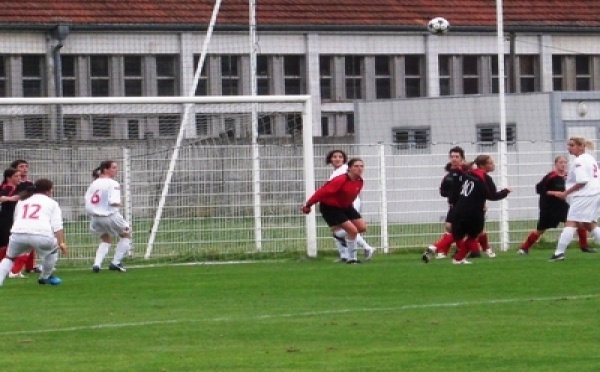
(450, 215)
(334, 216)
(550, 220)
(470, 226)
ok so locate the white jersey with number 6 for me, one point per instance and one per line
(101, 196)
(37, 215)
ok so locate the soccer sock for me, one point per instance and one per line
(351, 244)
(362, 243)
(596, 234)
(5, 266)
(18, 264)
(101, 253)
(565, 238)
(121, 250)
(483, 241)
(463, 249)
(341, 249)
(48, 264)
(531, 239)
(443, 245)
(583, 237)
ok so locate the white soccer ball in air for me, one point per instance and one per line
(438, 25)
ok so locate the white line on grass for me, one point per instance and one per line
(294, 315)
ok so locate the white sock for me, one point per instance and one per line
(5, 267)
(340, 247)
(596, 234)
(48, 264)
(565, 238)
(101, 253)
(121, 250)
(351, 244)
(362, 243)
(340, 233)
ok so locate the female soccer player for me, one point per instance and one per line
(38, 225)
(102, 202)
(553, 210)
(469, 214)
(335, 200)
(583, 187)
(338, 159)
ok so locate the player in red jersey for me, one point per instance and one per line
(335, 200)
(553, 210)
(469, 213)
(8, 201)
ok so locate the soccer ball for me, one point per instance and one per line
(438, 25)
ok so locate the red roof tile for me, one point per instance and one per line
(298, 13)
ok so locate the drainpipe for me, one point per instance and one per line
(59, 34)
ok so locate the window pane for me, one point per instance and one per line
(582, 84)
(32, 66)
(353, 66)
(70, 126)
(324, 126)
(229, 66)
(168, 125)
(133, 129)
(100, 88)
(99, 66)
(101, 127)
(444, 65)
(67, 64)
(382, 65)
(470, 65)
(326, 88)
(133, 66)
(383, 88)
(413, 88)
(166, 87)
(68, 88)
(557, 65)
(325, 65)
(32, 88)
(527, 65)
(133, 88)
(36, 128)
(165, 66)
(412, 65)
(265, 126)
(292, 65)
(582, 65)
(350, 123)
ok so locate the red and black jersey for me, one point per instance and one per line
(7, 209)
(452, 183)
(24, 186)
(477, 187)
(339, 192)
(551, 182)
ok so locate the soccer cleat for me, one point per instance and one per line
(440, 256)
(557, 257)
(490, 253)
(118, 267)
(18, 275)
(353, 262)
(52, 280)
(430, 251)
(96, 268)
(461, 262)
(34, 270)
(341, 260)
(523, 252)
(588, 250)
(369, 253)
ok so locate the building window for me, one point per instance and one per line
(326, 75)
(2, 138)
(3, 84)
(293, 124)
(583, 73)
(413, 76)
(36, 128)
(133, 129)
(488, 136)
(230, 128)
(133, 76)
(230, 75)
(293, 72)
(263, 83)
(495, 75)
(349, 123)
(353, 68)
(101, 127)
(100, 76)
(68, 71)
(557, 73)
(470, 71)
(202, 87)
(166, 75)
(325, 126)
(201, 125)
(33, 76)
(383, 77)
(528, 71)
(408, 140)
(265, 125)
(445, 69)
(168, 125)
(70, 128)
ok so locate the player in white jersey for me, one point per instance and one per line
(583, 189)
(338, 160)
(38, 224)
(102, 202)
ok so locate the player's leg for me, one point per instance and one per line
(16, 247)
(339, 237)
(98, 228)
(121, 228)
(48, 251)
(582, 209)
(356, 226)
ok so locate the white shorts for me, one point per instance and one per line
(583, 208)
(19, 244)
(113, 225)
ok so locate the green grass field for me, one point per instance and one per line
(512, 313)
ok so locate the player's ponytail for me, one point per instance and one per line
(96, 173)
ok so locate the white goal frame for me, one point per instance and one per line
(307, 144)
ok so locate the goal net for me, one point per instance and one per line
(229, 196)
